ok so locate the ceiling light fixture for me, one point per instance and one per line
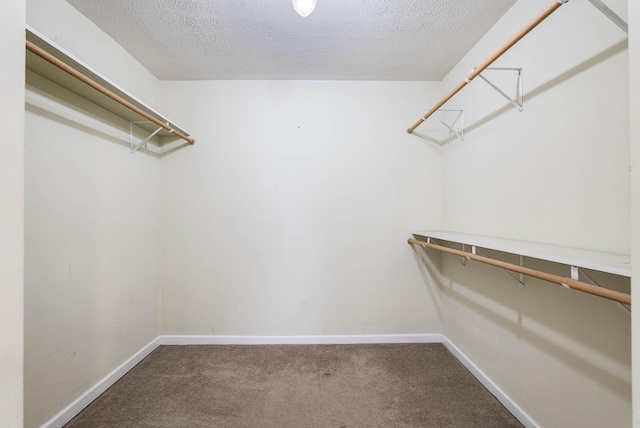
(304, 7)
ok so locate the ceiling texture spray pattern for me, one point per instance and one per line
(267, 39)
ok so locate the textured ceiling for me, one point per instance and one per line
(267, 39)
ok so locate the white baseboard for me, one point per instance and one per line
(506, 401)
(69, 412)
(300, 340)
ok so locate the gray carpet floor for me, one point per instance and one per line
(339, 386)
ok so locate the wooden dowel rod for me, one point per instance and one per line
(515, 39)
(98, 87)
(607, 293)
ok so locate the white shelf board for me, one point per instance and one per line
(618, 264)
(53, 73)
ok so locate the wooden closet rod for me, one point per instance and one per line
(607, 293)
(533, 24)
(98, 87)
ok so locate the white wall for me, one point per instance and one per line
(564, 161)
(92, 224)
(634, 96)
(556, 173)
(11, 211)
(290, 214)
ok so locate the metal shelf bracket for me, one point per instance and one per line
(519, 279)
(575, 274)
(460, 116)
(518, 101)
(462, 260)
(143, 142)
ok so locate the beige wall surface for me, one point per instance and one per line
(563, 161)
(11, 211)
(92, 247)
(634, 96)
(290, 214)
(92, 224)
(556, 173)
